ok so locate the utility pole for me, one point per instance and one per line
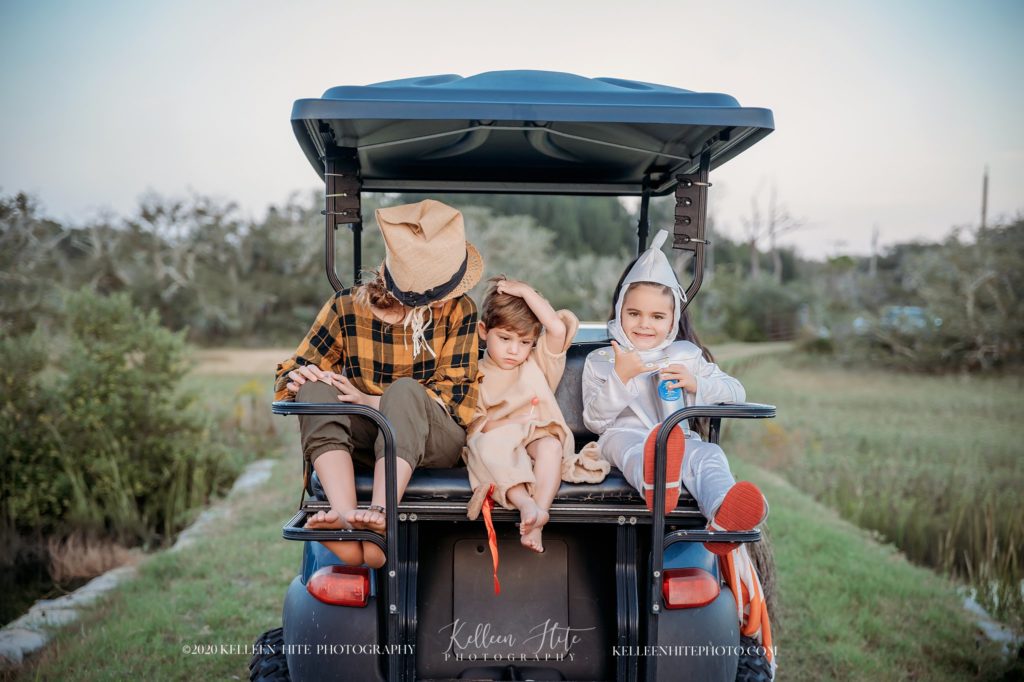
(984, 198)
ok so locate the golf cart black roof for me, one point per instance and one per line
(525, 131)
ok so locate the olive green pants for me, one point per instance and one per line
(425, 434)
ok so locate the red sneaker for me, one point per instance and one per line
(742, 509)
(674, 450)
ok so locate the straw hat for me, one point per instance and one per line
(427, 256)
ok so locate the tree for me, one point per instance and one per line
(776, 222)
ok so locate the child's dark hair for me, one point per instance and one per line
(504, 311)
(685, 332)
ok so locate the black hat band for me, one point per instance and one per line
(414, 299)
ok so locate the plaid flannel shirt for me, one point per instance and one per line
(346, 337)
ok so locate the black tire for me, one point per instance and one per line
(268, 662)
(752, 668)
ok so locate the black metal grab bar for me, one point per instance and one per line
(390, 491)
(658, 539)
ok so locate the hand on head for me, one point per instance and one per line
(513, 287)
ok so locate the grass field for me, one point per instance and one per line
(850, 608)
(931, 464)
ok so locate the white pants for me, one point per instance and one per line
(705, 471)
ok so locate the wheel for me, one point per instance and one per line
(751, 667)
(268, 662)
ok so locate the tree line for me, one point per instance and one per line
(224, 279)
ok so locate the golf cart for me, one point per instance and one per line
(620, 593)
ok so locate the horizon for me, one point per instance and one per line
(875, 123)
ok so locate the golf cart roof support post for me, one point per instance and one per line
(643, 227)
(342, 206)
(691, 219)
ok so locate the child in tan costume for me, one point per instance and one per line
(518, 438)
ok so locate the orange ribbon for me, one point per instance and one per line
(753, 604)
(492, 537)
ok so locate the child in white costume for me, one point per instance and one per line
(621, 404)
(518, 439)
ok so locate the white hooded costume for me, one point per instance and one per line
(624, 414)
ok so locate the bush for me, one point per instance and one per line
(30, 494)
(968, 294)
(95, 431)
(756, 309)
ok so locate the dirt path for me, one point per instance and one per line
(239, 361)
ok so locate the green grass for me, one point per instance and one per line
(853, 609)
(932, 464)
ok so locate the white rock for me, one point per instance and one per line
(16, 642)
(44, 615)
(254, 476)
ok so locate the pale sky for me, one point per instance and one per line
(885, 112)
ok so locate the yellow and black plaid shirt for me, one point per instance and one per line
(346, 337)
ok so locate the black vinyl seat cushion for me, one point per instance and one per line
(452, 485)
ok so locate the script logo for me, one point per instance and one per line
(546, 635)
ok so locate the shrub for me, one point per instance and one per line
(757, 309)
(30, 494)
(97, 434)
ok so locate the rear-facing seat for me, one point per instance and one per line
(452, 485)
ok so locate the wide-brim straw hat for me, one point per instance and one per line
(427, 256)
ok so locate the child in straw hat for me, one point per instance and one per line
(405, 344)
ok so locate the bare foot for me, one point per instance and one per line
(348, 551)
(328, 520)
(372, 520)
(364, 519)
(529, 516)
(531, 539)
(372, 555)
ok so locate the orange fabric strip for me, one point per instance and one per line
(492, 537)
(754, 606)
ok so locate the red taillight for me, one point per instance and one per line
(688, 588)
(341, 585)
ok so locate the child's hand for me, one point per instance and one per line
(627, 363)
(683, 378)
(514, 287)
(304, 373)
(349, 393)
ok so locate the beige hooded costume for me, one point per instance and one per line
(499, 456)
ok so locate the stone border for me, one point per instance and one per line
(34, 630)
